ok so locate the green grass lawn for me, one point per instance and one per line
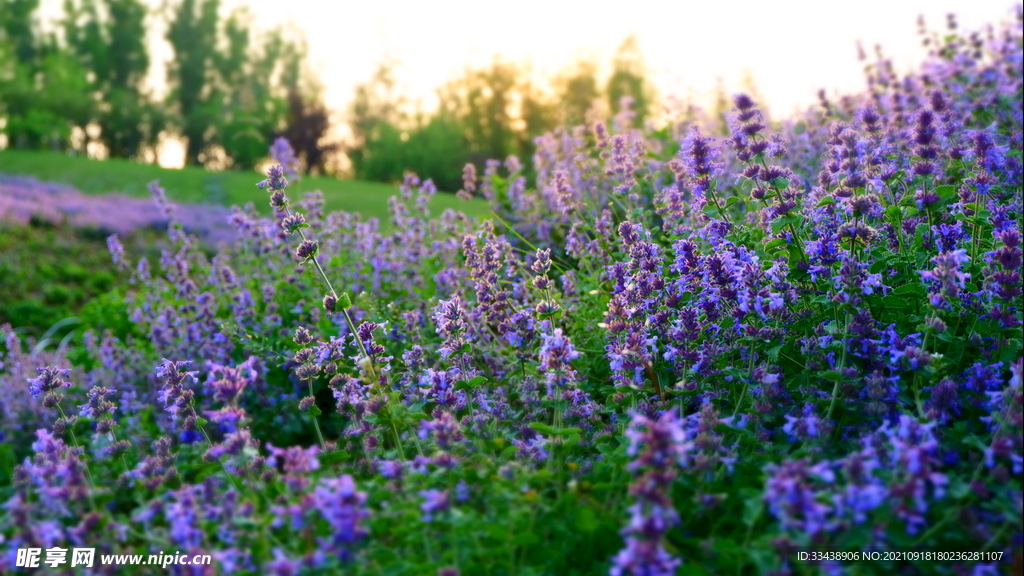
(196, 185)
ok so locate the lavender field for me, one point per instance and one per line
(23, 199)
(739, 345)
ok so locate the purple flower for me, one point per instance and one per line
(700, 159)
(910, 451)
(183, 515)
(344, 508)
(659, 446)
(391, 469)
(296, 462)
(228, 382)
(468, 181)
(795, 496)
(282, 566)
(434, 501)
(116, 250)
(946, 280)
(49, 380)
(806, 426)
(275, 181)
(556, 353)
(174, 395)
(532, 449)
(282, 153)
(444, 428)
(307, 249)
(451, 326)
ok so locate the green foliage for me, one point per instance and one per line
(627, 81)
(49, 273)
(229, 86)
(195, 185)
(579, 90)
(16, 27)
(487, 113)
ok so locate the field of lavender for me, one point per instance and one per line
(702, 349)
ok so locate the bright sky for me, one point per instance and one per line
(789, 48)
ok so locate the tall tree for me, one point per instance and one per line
(109, 38)
(374, 115)
(537, 115)
(193, 35)
(16, 28)
(578, 89)
(628, 79)
(308, 123)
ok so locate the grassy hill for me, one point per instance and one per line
(196, 185)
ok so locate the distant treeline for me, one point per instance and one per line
(488, 113)
(231, 89)
(80, 86)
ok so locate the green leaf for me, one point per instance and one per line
(7, 463)
(832, 375)
(344, 301)
(543, 429)
(526, 539)
(914, 289)
(947, 193)
(726, 546)
(314, 411)
(958, 488)
(780, 223)
(332, 457)
(753, 506)
(586, 520)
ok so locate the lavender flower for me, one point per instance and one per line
(451, 326)
(49, 380)
(174, 395)
(468, 181)
(556, 353)
(275, 181)
(444, 428)
(282, 153)
(344, 509)
(946, 279)
(793, 493)
(664, 447)
(434, 501)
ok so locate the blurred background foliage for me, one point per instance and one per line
(50, 273)
(80, 87)
(486, 113)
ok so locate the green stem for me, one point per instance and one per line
(85, 465)
(230, 476)
(316, 422)
(398, 439)
(344, 310)
(842, 365)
